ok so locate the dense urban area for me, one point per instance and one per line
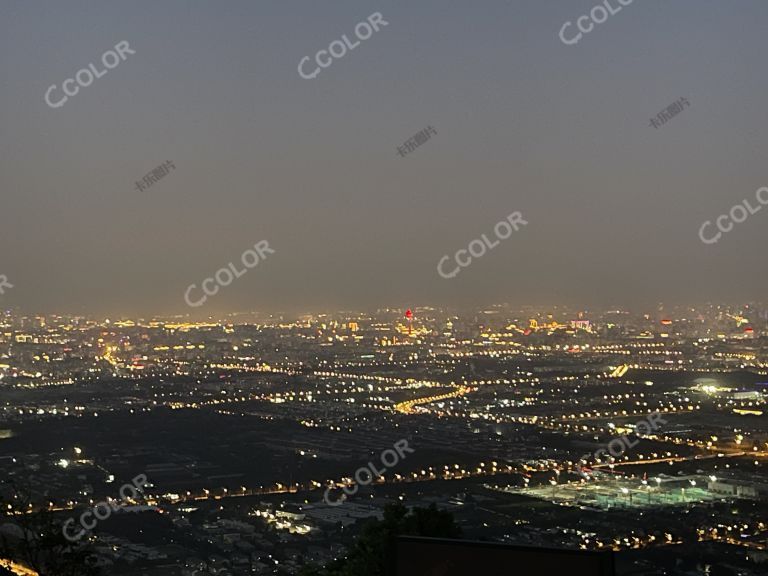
(265, 443)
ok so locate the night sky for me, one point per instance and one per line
(523, 122)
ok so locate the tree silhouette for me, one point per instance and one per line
(374, 548)
(36, 539)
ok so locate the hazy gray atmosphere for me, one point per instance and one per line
(521, 122)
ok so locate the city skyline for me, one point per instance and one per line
(375, 287)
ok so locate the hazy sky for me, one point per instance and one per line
(524, 123)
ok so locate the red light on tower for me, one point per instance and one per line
(409, 315)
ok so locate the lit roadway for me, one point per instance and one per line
(446, 472)
(407, 406)
(606, 415)
(684, 459)
(17, 568)
(453, 472)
